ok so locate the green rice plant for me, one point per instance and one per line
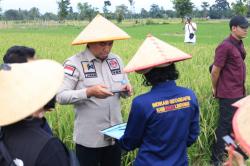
(53, 42)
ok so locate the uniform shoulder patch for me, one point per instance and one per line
(89, 69)
(68, 69)
(114, 66)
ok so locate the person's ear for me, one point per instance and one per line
(233, 29)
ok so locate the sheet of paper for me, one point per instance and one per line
(116, 131)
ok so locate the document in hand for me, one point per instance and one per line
(116, 131)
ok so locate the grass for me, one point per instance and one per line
(53, 42)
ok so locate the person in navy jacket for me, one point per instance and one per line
(163, 122)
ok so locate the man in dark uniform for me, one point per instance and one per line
(22, 106)
(228, 77)
(23, 54)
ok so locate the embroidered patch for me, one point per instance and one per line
(114, 66)
(89, 69)
(172, 104)
(69, 70)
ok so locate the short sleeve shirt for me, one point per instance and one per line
(233, 68)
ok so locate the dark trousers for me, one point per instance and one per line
(224, 128)
(105, 156)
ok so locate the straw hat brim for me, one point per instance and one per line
(99, 30)
(241, 122)
(26, 88)
(154, 53)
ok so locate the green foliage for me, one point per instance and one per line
(240, 8)
(49, 16)
(120, 12)
(86, 11)
(72, 15)
(205, 6)
(150, 22)
(12, 15)
(63, 6)
(34, 13)
(105, 9)
(183, 7)
(220, 9)
(144, 13)
(53, 42)
(155, 11)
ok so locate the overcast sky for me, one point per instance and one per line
(51, 5)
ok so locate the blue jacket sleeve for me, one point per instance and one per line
(194, 128)
(133, 135)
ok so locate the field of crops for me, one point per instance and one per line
(53, 42)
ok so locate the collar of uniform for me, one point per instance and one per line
(89, 55)
(235, 40)
(167, 84)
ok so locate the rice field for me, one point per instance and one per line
(53, 42)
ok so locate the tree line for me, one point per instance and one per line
(85, 11)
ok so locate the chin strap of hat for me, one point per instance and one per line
(4, 151)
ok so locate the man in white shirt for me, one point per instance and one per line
(190, 29)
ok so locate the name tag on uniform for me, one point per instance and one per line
(89, 69)
(114, 66)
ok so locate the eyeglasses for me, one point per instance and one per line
(108, 43)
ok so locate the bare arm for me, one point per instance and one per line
(194, 28)
(214, 77)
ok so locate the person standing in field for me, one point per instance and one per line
(190, 29)
(228, 77)
(23, 54)
(94, 82)
(25, 90)
(163, 122)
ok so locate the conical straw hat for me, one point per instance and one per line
(152, 53)
(241, 101)
(100, 29)
(27, 87)
(241, 123)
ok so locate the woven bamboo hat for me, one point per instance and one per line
(27, 87)
(241, 123)
(154, 53)
(100, 29)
